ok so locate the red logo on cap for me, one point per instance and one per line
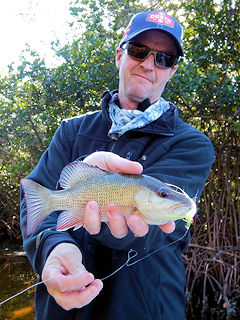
(161, 18)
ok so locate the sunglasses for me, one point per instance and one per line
(140, 52)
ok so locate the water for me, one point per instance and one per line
(16, 274)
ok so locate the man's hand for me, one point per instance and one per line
(70, 284)
(118, 225)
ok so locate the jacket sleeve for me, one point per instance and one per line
(47, 172)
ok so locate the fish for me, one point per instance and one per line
(155, 201)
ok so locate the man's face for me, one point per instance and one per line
(139, 80)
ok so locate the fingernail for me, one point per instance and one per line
(92, 205)
(111, 211)
(112, 216)
(111, 208)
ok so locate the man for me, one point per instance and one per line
(136, 130)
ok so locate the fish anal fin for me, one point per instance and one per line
(66, 221)
(76, 171)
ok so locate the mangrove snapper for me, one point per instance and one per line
(155, 201)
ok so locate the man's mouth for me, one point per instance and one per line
(143, 77)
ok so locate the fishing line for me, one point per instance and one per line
(151, 253)
(132, 253)
(19, 293)
(135, 253)
(125, 264)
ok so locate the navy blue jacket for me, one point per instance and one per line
(169, 150)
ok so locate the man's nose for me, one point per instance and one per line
(149, 62)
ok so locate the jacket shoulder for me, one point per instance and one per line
(72, 125)
(78, 119)
(187, 130)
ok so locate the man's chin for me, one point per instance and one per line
(139, 95)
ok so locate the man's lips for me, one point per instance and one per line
(143, 77)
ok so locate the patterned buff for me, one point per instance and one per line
(124, 120)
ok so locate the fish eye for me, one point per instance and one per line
(163, 194)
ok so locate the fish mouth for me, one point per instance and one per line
(179, 205)
(182, 208)
(189, 209)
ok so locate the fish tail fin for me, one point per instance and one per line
(37, 204)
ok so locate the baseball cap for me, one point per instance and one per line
(154, 20)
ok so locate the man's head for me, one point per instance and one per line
(147, 56)
(154, 20)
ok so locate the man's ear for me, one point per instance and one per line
(174, 69)
(118, 57)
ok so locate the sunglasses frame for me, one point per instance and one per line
(150, 51)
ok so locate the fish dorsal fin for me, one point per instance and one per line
(76, 171)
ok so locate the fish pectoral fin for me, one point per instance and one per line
(66, 221)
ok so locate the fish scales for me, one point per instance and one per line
(110, 189)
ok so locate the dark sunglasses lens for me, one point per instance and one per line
(137, 51)
(165, 60)
(162, 59)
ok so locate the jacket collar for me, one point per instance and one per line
(165, 125)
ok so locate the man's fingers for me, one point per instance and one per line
(66, 278)
(65, 258)
(118, 164)
(92, 221)
(168, 227)
(116, 222)
(113, 162)
(77, 298)
(70, 282)
(139, 227)
(118, 225)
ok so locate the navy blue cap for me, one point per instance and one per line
(154, 20)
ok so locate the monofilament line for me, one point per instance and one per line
(125, 264)
(135, 253)
(19, 293)
(151, 253)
